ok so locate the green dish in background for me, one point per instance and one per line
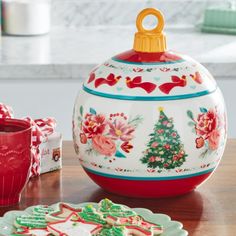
(219, 20)
(171, 228)
(211, 29)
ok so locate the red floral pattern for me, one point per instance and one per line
(214, 139)
(103, 145)
(119, 129)
(94, 124)
(208, 127)
(206, 123)
(108, 136)
(126, 147)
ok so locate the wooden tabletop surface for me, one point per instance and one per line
(209, 210)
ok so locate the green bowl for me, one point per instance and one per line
(219, 20)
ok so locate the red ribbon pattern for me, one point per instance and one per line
(41, 129)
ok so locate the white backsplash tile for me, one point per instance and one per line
(75, 13)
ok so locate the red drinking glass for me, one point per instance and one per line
(15, 159)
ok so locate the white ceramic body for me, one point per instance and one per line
(199, 120)
(149, 111)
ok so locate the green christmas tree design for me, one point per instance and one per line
(164, 149)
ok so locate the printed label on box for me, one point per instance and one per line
(51, 153)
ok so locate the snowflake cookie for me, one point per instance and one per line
(64, 211)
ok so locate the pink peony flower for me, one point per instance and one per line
(103, 145)
(119, 129)
(206, 123)
(214, 139)
(94, 124)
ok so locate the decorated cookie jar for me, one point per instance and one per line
(149, 122)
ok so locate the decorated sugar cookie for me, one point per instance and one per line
(73, 226)
(31, 221)
(64, 211)
(107, 207)
(90, 214)
(42, 210)
(37, 220)
(136, 225)
(31, 232)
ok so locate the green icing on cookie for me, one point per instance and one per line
(90, 214)
(18, 231)
(31, 221)
(107, 207)
(114, 231)
(42, 210)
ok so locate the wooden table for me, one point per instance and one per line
(210, 210)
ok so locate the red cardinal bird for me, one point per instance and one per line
(136, 82)
(111, 80)
(177, 82)
(197, 77)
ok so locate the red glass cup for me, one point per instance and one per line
(15, 159)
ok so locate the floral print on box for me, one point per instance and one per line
(110, 136)
(208, 127)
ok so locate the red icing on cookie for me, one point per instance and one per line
(73, 225)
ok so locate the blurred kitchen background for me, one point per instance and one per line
(41, 75)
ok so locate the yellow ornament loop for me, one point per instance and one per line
(146, 12)
(150, 40)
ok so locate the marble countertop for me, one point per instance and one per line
(72, 53)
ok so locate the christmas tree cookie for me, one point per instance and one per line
(90, 214)
(73, 226)
(31, 221)
(36, 220)
(164, 149)
(107, 207)
(42, 210)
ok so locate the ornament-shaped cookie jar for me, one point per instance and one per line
(149, 122)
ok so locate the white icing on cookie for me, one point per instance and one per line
(71, 227)
(62, 213)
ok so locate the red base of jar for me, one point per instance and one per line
(150, 188)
